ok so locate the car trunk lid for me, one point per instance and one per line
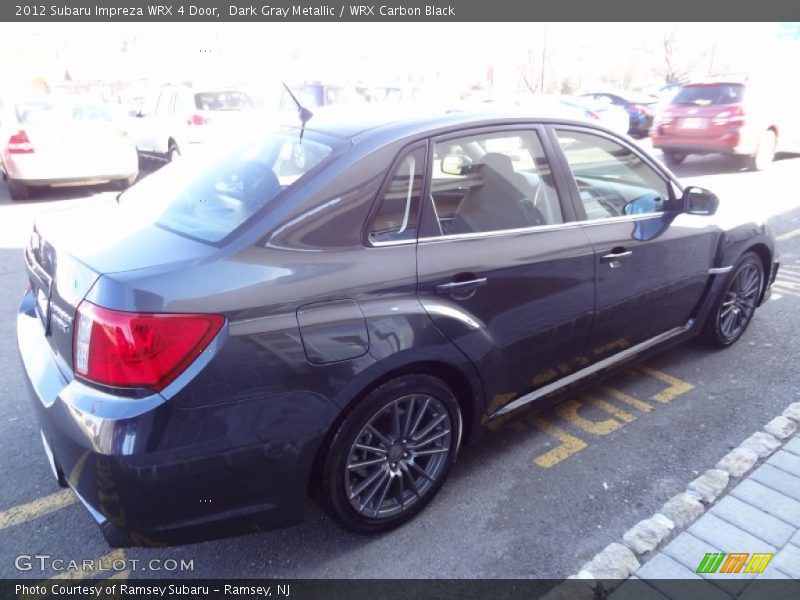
(70, 250)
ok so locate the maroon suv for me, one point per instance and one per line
(728, 116)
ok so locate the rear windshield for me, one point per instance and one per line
(31, 113)
(208, 198)
(703, 95)
(222, 100)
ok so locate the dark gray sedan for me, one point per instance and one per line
(331, 311)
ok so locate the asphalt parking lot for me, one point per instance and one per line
(535, 499)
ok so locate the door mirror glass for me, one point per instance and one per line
(699, 201)
(642, 205)
(455, 164)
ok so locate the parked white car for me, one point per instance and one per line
(50, 142)
(181, 118)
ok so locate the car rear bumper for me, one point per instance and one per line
(152, 474)
(33, 169)
(735, 142)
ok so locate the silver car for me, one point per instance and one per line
(63, 142)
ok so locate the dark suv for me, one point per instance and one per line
(332, 312)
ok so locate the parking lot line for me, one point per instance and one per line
(610, 408)
(569, 443)
(568, 411)
(40, 506)
(626, 398)
(788, 235)
(676, 386)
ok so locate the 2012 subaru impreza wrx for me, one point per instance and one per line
(330, 312)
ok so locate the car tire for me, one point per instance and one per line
(173, 153)
(674, 158)
(403, 436)
(765, 153)
(736, 304)
(17, 190)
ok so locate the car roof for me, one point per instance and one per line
(362, 123)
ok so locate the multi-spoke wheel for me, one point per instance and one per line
(737, 304)
(392, 453)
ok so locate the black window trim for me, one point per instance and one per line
(377, 201)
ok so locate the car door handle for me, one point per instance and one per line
(616, 254)
(460, 286)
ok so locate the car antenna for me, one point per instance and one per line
(302, 111)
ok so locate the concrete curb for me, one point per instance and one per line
(622, 559)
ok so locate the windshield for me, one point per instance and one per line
(703, 95)
(30, 113)
(208, 199)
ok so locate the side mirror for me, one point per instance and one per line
(699, 201)
(454, 164)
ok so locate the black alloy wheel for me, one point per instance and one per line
(737, 304)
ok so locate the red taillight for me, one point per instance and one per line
(19, 143)
(125, 349)
(197, 120)
(592, 115)
(731, 115)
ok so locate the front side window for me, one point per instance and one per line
(398, 211)
(208, 199)
(493, 182)
(612, 180)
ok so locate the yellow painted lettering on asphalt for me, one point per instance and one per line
(610, 408)
(40, 506)
(676, 386)
(569, 443)
(104, 564)
(626, 398)
(568, 411)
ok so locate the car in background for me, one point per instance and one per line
(639, 107)
(53, 142)
(316, 94)
(737, 116)
(179, 119)
(330, 312)
(608, 115)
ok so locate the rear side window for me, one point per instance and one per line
(704, 95)
(398, 212)
(209, 199)
(222, 100)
